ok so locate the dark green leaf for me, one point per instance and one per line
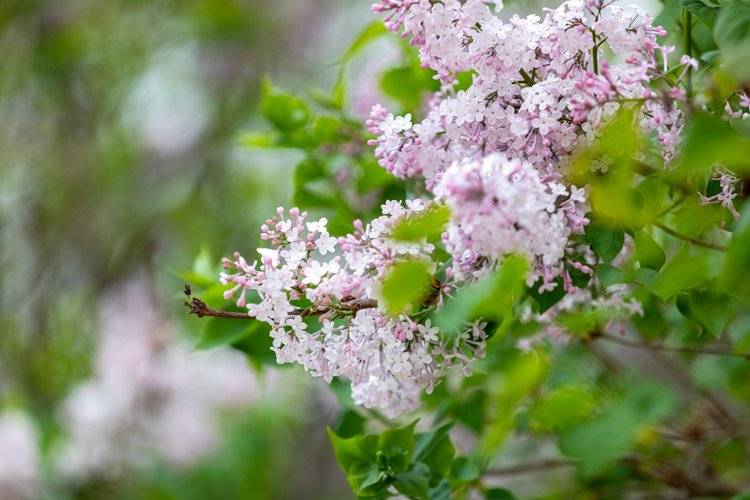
(606, 241)
(435, 450)
(647, 252)
(415, 482)
(705, 10)
(712, 309)
(499, 494)
(221, 332)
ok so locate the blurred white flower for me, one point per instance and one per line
(19, 456)
(151, 397)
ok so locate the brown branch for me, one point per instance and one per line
(662, 347)
(199, 308)
(539, 465)
(690, 239)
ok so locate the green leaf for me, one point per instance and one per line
(257, 345)
(490, 298)
(397, 446)
(428, 225)
(357, 458)
(221, 332)
(435, 450)
(733, 24)
(194, 278)
(647, 252)
(415, 482)
(349, 423)
(736, 268)
(285, 112)
(369, 33)
(705, 10)
(562, 408)
(690, 268)
(548, 298)
(499, 494)
(709, 141)
(598, 442)
(712, 310)
(408, 85)
(606, 241)
(464, 470)
(406, 286)
(610, 275)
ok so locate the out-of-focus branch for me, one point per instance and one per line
(690, 239)
(536, 466)
(661, 347)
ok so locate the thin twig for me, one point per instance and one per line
(199, 308)
(690, 239)
(662, 347)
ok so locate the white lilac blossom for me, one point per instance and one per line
(389, 360)
(19, 457)
(150, 397)
(541, 85)
(728, 192)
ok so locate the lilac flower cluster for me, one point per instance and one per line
(493, 154)
(326, 310)
(503, 206)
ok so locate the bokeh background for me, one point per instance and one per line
(121, 169)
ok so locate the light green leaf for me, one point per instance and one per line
(736, 269)
(598, 442)
(562, 408)
(285, 112)
(610, 275)
(490, 298)
(369, 33)
(690, 268)
(427, 225)
(406, 285)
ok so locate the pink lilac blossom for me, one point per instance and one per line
(501, 206)
(389, 360)
(538, 89)
(541, 88)
(150, 396)
(20, 467)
